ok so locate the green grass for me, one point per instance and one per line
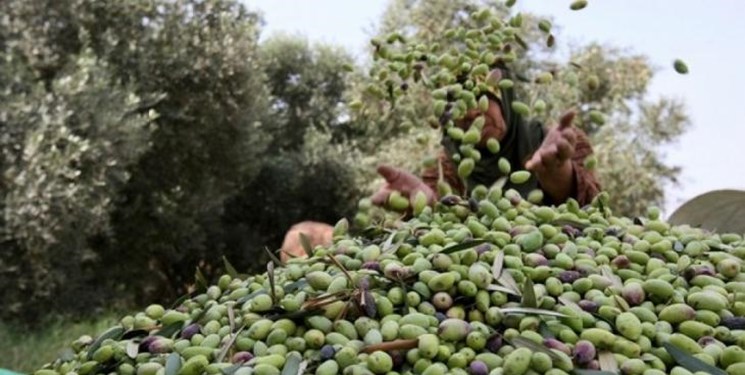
(26, 351)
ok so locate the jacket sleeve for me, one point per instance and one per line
(431, 175)
(586, 184)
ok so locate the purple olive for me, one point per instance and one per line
(621, 261)
(473, 204)
(450, 200)
(494, 343)
(734, 322)
(327, 352)
(698, 270)
(242, 357)
(535, 260)
(629, 239)
(478, 368)
(160, 345)
(364, 283)
(633, 293)
(375, 266)
(515, 200)
(569, 276)
(589, 306)
(145, 343)
(483, 248)
(571, 231)
(558, 345)
(190, 330)
(398, 358)
(584, 352)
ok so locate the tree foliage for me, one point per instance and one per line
(310, 173)
(66, 154)
(142, 139)
(127, 127)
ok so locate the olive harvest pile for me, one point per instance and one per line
(492, 283)
(489, 285)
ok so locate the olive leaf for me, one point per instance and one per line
(113, 333)
(305, 243)
(231, 369)
(572, 223)
(297, 285)
(689, 362)
(272, 256)
(529, 298)
(607, 272)
(292, 364)
(229, 344)
(497, 288)
(229, 268)
(532, 311)
(201, 281)
(545, 331)
(170, 330)
(249, 297)
(607, 361)
(270, 274)
(465, 245)
(134, 334)
(173, 364)
(533, 346)
(183, 298)
(231, 318)
(508, 281)
(388, 242)
(302, 367)
(496, 268)
(133, 348)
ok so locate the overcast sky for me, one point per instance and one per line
(708, 35)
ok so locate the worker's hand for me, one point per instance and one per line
(404, 182)
(557, 149)
(552, 162)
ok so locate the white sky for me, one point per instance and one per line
(708, 35)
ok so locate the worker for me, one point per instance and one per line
(555, 156)
(317, 233)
